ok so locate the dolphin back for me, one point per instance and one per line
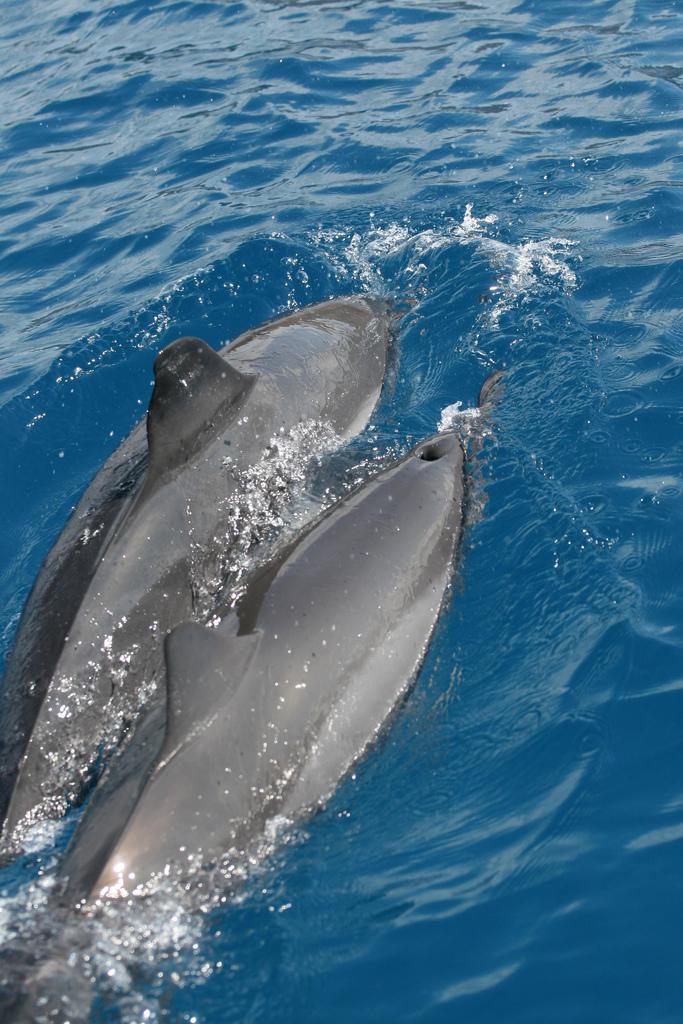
(268, 711)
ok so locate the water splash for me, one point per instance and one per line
(526, 269)
(455, 417)
(522, 269)
(262, 504)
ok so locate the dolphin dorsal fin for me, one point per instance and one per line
(195, 391)
(204, 668)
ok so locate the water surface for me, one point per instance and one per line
(510, 171)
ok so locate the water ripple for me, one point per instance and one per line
(510, 174)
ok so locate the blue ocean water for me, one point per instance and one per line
(511, 172)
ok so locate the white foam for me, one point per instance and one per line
(527, 268)
(521, 268)
(454, 416)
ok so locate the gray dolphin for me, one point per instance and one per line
(268, 710)
(124, 570)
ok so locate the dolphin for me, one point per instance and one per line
(148, 543)
(269, 709)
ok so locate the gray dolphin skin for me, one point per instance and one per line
(269, 709)
(124, 571)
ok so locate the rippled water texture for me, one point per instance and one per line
(512, 850)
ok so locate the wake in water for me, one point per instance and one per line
(523, 268)
(361, 256)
